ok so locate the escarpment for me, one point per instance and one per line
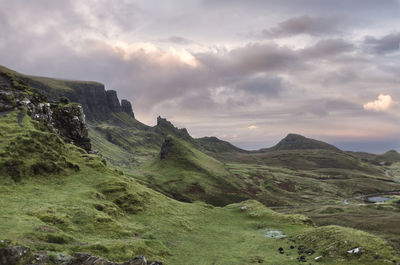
(62, 117)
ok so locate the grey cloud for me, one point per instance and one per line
(262, 85)
(261, 81)
(328, 47)
(177, 40)
(385, 44)
(304, 25)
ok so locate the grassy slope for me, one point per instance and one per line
(188, 174)
(100, 211)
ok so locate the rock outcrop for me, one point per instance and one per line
(113, 101)
(65, 119)
(127, 107)
(15, 255)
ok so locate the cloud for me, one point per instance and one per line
(328, 47)
(383, 103)
(144, 50)
(177, 40)
(316, 26)
(252, 127)
(386, 44)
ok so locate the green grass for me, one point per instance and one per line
(187, 174)
(98, 210)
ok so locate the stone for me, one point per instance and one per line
(127, 107)
(16, 255)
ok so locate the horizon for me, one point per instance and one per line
(325, 70)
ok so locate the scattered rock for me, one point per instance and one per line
(354, 251)
(302, 259)
(310, 252)
(318, 258)
(281, 250)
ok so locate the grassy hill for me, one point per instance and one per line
(95, 209)
(187, 174)
(55, 197)
(298, 142)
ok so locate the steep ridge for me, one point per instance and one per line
(187, 174)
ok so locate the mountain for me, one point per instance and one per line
(298, 142)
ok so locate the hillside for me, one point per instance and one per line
(299, 142)
(59, 196)
(185, 173)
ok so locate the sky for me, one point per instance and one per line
(248, 72)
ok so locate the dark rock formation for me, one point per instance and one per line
(15, 255)
(127, 107)
(165, 128)
(165, 148)
(97, 103)
(113, 102)
(67, 120)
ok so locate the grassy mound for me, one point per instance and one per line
(187, 174)
(346, 245)
(26, 149)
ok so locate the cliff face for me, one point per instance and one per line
(97, 102)
(127, 107)
(64, 118)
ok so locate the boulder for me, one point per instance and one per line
(15, 255)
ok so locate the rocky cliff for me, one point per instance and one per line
(64, 118)
(97, 102)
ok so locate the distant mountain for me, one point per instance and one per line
(299, 142)
(387, 158)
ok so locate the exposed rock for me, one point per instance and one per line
(67, 120)
(354, 251)
(63, 259)
(127, 107)
(15, 255)
(113, 102)
(165, 128)
(165, 148)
